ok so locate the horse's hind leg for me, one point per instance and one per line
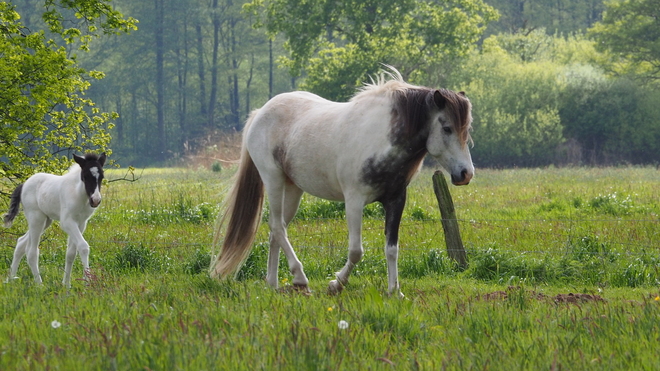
(283, 200)
(292, 195)
(19, 253)
(37, 223)
(354, 220)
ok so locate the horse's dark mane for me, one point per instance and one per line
(411, 110)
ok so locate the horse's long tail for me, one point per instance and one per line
(14, 206)
(242, 215)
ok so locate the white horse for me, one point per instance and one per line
(71, 198)
(361, 151)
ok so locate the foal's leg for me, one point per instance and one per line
(292, 195)
(354, 220)
(393, 211)
(19, 253)
(76, 244)
(278, 236)
(37, 223)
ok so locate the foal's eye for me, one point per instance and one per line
(447, 129)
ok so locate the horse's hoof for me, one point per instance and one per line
(396, 294)
(335, 287)
(300, 289)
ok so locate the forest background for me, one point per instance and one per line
(551, 82)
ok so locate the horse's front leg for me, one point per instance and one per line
(393, 211)
(354, 220)
(71, 253)
(76, 244)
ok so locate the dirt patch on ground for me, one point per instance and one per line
(576, 298)
(560, 298)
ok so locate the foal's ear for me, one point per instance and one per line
(102, 159)
(439, 99)
(79, 159)
(461, 93)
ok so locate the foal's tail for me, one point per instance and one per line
(14, 206)
(243, 213)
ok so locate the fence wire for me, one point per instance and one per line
(528, 236)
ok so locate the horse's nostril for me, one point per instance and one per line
(464, 173)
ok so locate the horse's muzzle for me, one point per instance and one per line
(94, 203)
(462, 179)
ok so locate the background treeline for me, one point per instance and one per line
(542, 93)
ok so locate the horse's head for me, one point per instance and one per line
(91, 175)
(449, 134)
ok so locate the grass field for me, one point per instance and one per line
(532, 236)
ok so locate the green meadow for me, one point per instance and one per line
(564, 273)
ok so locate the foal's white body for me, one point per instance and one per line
(299, 142)
(48, 197)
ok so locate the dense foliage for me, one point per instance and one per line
(44, 113)
(542, 100)
(339, 44)
(552, 82)
(630, 30)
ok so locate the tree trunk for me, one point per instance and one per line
(214, 66)
(247, 86)
(235, 101)
(182, 74)
(160, 80)
(201, 72)
(119, 123)
(270, 68)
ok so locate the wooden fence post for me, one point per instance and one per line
(453, 240)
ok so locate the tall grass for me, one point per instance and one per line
(529, 234)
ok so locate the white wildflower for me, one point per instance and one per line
(343, 325)
(55, 324)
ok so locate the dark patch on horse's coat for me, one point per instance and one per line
(393, 211)
(389, 174)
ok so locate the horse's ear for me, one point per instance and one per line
(461, 93)
(79, 159)
(102, 159)
(439, 99)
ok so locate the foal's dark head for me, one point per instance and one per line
(91, 175)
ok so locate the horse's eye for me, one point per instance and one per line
(447, 129)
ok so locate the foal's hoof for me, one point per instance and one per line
(335, 287)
